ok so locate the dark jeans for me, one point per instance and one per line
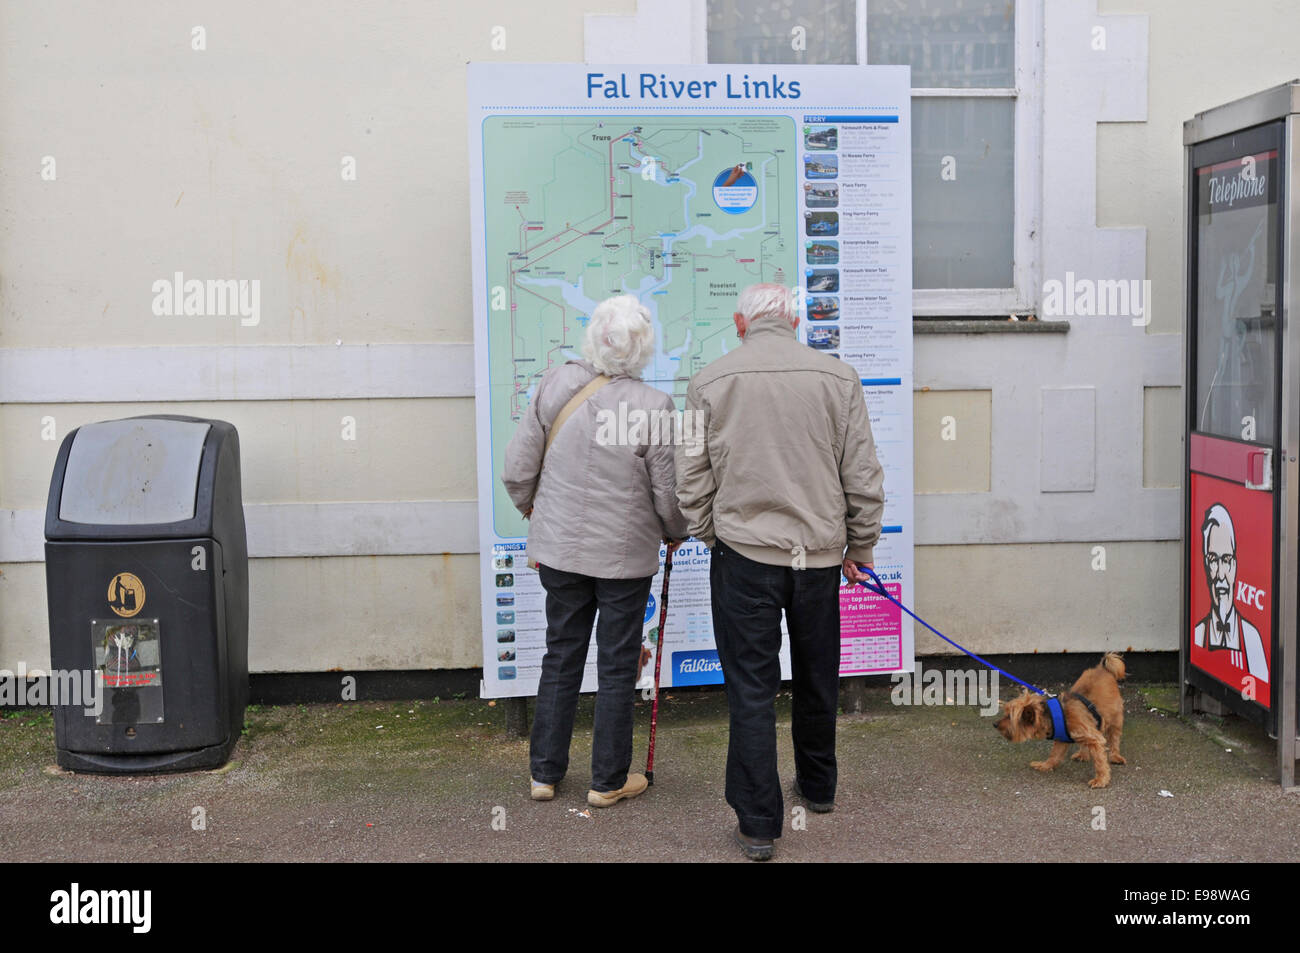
(748, 598)
(572, 601)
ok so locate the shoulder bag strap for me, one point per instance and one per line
(576, 401)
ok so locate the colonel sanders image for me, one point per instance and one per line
(1224, 629)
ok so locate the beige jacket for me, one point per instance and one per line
(607, 494)
(788, 467)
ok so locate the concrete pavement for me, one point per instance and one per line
(440, 780)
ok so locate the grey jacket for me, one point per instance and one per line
(788, 474)
(606, 495)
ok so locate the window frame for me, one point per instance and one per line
(1026, 256)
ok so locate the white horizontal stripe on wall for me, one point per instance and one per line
(424, 527)
(59, 375)
(405, 528)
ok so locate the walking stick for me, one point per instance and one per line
(659, 657)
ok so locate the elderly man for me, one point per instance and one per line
(786, 479)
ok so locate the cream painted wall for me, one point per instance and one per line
(291, 451)
(952, 440)
(1048, 597)
(351, 613)
(1162, 415)
(1202, 54)
(226, 163)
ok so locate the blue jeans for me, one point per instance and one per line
(748, 599)
(618, 606)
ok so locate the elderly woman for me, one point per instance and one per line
(598, 509)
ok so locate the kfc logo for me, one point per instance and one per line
(1224, 628)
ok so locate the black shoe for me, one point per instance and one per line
(755, 848)
(817, 807)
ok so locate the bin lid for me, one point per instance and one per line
(138, 471)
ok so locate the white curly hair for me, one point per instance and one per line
(620, 338)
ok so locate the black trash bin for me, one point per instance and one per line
(146, 573)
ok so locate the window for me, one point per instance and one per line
(974, 132)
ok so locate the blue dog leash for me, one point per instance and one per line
(1059, 731)
(879, 589)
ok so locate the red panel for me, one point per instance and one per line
(1236, 163)
(1228, 459)
(1231, 610)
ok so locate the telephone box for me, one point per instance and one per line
(1242, 480)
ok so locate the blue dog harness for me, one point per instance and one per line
(1059, 732)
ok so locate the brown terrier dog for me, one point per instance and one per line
(1026, 716)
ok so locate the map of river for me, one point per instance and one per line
(683, 213)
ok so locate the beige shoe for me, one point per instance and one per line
(634, 785)
(542, 792)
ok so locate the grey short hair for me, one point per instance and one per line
(768, 300)
(620, 338)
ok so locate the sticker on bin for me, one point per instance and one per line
(126, 594)
(128, 667)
